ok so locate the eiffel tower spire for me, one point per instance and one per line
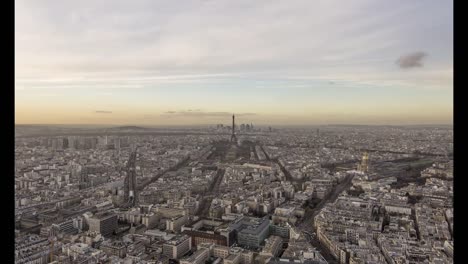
(233, 135)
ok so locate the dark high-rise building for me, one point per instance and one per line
(72, 143)
(84, 178)
(93, 142)
(65, 143)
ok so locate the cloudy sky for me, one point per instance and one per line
(270, 62)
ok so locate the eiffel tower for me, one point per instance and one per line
(233, 135)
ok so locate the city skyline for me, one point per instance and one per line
(233, 132)
(198, 62)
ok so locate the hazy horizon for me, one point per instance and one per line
(207, 125)
(294, 63)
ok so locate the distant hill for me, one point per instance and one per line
(127, 128)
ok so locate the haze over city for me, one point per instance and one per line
(197, 62)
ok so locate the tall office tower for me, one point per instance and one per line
(59, 143)
(318, 132)
(86, 143)
(72, 142)
(93, 142)
(54, 143)
(65, 143)
(84, 179)
(233, 135)
(117, 143)
(130, 184)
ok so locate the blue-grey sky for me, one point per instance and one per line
(271, 62)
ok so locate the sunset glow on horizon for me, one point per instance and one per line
(269, 62)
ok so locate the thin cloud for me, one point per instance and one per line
(103, 112)
(411, 60)
(199, 113)
(245, 114)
